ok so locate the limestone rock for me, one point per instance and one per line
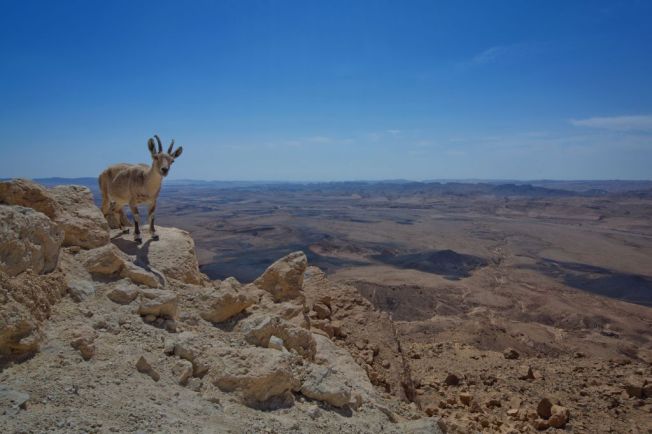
(142, 365)
(109, 261)
(30, 195)
(82, 221)
(256, 375)
(228, 301)
(158, 302)
(258, 330)
(284, 278)
(340, 361)
(322, 384)
(174, 255)
(106, 260)
(123, 294)
(26, 300)
(139, 275)
(70, 206)
(28, 239)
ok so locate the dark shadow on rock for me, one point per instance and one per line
(231, 323)
(447, 263)
(141, 252)
(633, 288)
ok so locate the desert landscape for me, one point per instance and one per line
(473, 301)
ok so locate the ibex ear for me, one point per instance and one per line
(178, 152)
(152, 146)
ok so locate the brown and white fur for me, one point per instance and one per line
(133, 184)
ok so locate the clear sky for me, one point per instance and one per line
(330, 90)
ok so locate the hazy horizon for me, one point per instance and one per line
(301, 92)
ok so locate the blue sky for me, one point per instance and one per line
(332, 90)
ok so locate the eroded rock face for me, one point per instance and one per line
(28, 239)
(284, 278)
(229, 300)
(25, 301)
(70, 206)
(258, 330)
(174, 255)
(323, 384)
(256, 374)
(82, 221)
(30, 195)
(158, 302)
(109, 261)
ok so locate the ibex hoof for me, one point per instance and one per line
(138, 240)
(155, 237)
(125, 231)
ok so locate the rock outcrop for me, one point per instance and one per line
(284, 278)
(28, 240)
(83, 223)
(70, 207)
(227, 301)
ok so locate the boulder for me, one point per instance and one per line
(322, 384)
(70, 206)
(256, 375)
(284, 278)
(340, 361)
(158, 302)
(229, 300)
(110, 261)
(124, 293)
(30, 195)
(107, 260)
(174, 255)
(28, 239)
(258, 329)
(82, 221)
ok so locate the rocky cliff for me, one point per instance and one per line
(98, 334)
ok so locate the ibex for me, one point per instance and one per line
(133, 184)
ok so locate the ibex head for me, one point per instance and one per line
(163, 160)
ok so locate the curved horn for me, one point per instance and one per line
(160, 145)
(170, 148)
